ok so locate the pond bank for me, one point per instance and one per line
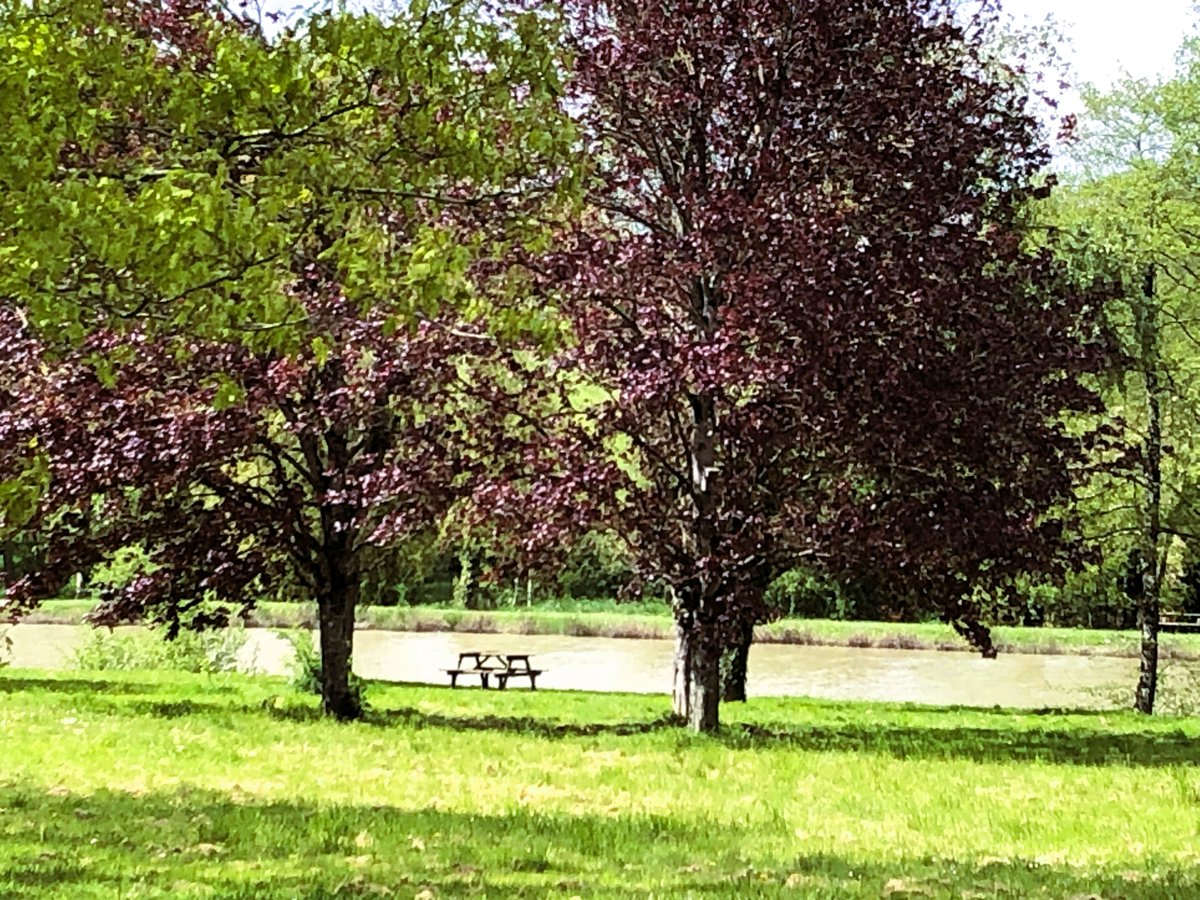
(805, 632)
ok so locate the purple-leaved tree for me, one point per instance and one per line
(237, 471)
(806, 329)
(245, 318)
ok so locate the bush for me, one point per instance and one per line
(805, 594)
(597, 566)
(306, 666)
(1187, 589)
(202, 652)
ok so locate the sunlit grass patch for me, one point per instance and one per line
(161, 785)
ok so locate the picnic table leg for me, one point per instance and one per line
(502, 680)
(483, 677)
(532, 682)
(453, 679)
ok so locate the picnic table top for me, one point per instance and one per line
(504, 660)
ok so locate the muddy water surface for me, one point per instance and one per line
(644, 666)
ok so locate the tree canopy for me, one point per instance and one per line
(272, 300)
(247, 285)
(804, 302)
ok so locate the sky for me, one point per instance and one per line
(1110, 38)
(1107, 38)
(1104, 39)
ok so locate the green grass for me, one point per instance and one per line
(608, 619)
(165, 785)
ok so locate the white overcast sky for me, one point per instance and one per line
(1109, 38)
(1105, 38)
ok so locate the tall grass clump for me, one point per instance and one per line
(202, 652)
(305, 673)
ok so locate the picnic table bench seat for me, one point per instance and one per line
(483, 673)
(531, 674)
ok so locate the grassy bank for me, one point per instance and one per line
(646, 621)
(158, 786)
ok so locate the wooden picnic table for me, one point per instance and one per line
(1172, 623)
(501, 666)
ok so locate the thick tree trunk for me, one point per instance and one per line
(681, 690)
(335, 614)
(733, 690)
(697, 692)
(697, 689)
(1151, 587)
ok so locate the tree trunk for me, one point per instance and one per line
(1147, 685)
(681, 689)
(335, 613)
(1151, 586)
(733, 690)
(697, 691)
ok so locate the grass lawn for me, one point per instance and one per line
(608, 619)
(164, 785)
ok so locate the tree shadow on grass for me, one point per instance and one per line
(927, 733)
(90, 685)
(943, 738)
(1074, 745)
(194, 841)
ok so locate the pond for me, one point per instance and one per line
(644, 666)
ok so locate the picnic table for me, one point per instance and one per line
(500, 666)
(1171, 623)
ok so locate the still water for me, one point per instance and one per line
(644, 666)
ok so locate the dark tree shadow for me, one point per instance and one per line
(1073, 746)
(928, 733)
(942, 738)
(91, 685)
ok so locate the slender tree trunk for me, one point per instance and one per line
(1151, 587)
(335, 613)
(733, 690)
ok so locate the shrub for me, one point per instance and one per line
(802, 593)
(596, 566)
(306, 666)
(203, 652)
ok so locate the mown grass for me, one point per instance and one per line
(166, 785)
(610, 620)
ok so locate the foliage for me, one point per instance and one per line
(807, 327)
(597, 565)
(201, 151)
(585, 793)
(807, 594)
(208, 652)
(1131, 216)
(269, 273)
